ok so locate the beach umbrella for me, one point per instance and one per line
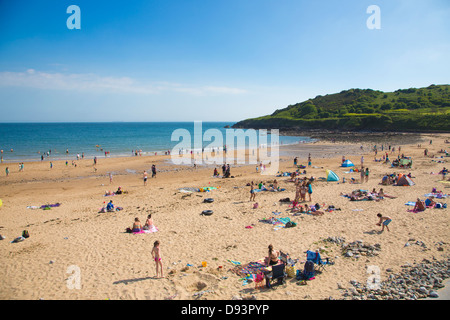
(331, 176)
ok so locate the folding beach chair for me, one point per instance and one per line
(278, 273)
(317, 259)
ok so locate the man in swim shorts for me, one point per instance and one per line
(384, 221)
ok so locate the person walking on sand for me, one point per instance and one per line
(145, 178)
(153, 171)
(362, 174)
(366, 173)
(308, 184)
(110, 178)
(7, 171)
(156, 254)
(252, 192)
(384, 221)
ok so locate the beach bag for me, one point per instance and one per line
(291, 271)
(290, 224)
(25, 234)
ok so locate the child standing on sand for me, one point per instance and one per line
(252, 192)
(383, 221)
(145, 178)
(156, 254)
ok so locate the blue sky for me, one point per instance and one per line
(209, 60)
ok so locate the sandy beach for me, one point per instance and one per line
(113, 264)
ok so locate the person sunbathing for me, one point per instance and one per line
(110, 206)
(272, 258)
(315, 212)
(148, 223)
(429, 202)
(382, 195)
(364, 197)
(137, 227)
(275, 185)
(420, 206)
(299, 209)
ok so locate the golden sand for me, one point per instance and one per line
(113, 264)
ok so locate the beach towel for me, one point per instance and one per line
(187, 189)
(284, 220)
(151, 230)
(50, 205)
(436, 195)
(45, 206)
(414, 211)
(207, 189)
(271, 220)
(250, 270)
(410, 203)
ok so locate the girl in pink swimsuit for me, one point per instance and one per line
(156, 254)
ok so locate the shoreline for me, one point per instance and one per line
(318, 136)
(116, 265)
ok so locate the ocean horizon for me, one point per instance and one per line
(37, 141)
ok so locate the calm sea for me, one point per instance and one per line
(29, 141)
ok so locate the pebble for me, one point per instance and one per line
(415, 282)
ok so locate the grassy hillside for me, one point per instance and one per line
(415, 109)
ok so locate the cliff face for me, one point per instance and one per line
(424, 109)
